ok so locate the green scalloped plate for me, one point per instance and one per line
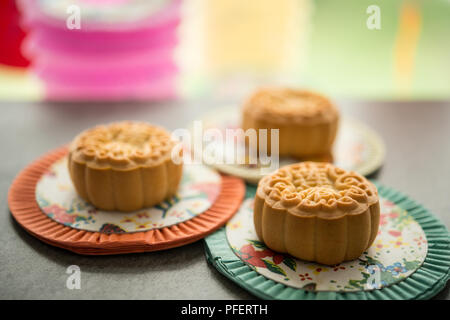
(424, 283)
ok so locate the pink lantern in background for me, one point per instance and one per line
(123, 50)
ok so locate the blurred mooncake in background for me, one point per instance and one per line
(307, 121)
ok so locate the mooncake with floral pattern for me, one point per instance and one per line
(125, 166)
(317, 212)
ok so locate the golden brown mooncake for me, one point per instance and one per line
(124, 166)
(317, 212)
(307, 121)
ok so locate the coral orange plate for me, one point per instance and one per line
(24, 208)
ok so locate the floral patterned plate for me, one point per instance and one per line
(410, 259)
(357, 147)
(26, 211)
(58, 199)
(399, 249)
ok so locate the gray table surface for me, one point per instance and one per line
(417, 163)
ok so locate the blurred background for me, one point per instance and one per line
(108, 50)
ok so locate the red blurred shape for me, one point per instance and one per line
(11, 35)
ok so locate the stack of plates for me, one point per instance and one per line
(123, 49)
(184, 221)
